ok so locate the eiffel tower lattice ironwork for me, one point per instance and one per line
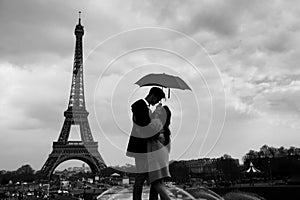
(85, 150)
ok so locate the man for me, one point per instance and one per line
(143, 128)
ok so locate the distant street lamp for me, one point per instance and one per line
(270, 171)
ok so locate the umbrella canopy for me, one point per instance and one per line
(163, 80)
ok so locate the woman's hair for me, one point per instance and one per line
(167, 131)
(168, 116)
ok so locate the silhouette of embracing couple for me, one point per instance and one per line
(149, 144)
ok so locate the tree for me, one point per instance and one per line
(25, 173)
(291, 151)
(25, 169)
(250, 155)
(273, 152)
(282, 152)
(226, 156)
(264, 151)
(268, 152)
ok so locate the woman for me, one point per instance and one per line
(158, 150)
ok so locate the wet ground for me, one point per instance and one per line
(123, 193)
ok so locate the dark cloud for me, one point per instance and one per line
(33, 29)
(28, 28)
(218, 17)
(279, 42)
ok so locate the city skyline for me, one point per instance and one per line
(240, 59)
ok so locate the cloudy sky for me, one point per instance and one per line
(239, 57)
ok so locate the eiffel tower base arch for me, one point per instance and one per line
(86, 152)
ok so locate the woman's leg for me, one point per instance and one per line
(159, 186)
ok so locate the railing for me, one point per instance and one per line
(75, 143)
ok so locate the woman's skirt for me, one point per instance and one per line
(158, 160)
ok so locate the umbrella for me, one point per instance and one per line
(163, 80)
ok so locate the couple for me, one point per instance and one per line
(149, 144)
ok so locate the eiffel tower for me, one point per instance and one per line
(85, 150)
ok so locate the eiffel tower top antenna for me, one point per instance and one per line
(79, 17)
(77, 97)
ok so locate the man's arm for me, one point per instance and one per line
(147, 127)
(140, 114)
